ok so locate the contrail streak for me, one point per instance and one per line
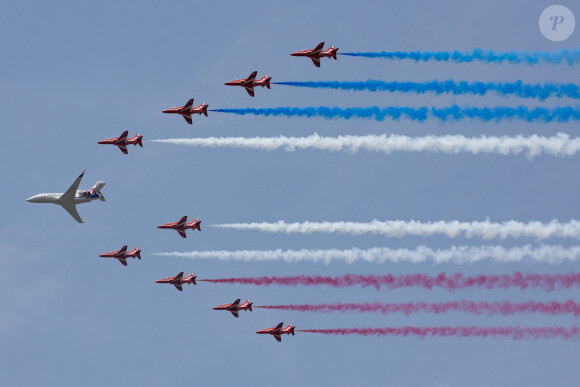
(456, 254)
(401, 228)
(510, 332)
(570, 57)
(452, 282)
(559, 145)
(454, 112)
(505, 308)
(518, 88)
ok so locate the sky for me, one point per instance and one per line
(74, 73)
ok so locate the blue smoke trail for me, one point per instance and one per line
(571, 57)
(454, 112)
(517, 88)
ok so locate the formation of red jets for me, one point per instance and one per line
(186, 111)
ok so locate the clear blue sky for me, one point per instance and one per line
(73, 73)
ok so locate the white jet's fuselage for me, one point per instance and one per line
(71, 197)
(56, 198)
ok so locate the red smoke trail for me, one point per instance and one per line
(504, 308)
(547, 282)
(515, 333)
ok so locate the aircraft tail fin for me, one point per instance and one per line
(138, 255)
(193, 280)
(204, 109)
(250, 306)
(140, 140)
(267, 81)
(334, 51)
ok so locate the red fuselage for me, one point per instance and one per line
(178, 280)
(182, 225)
(190, 279)
(135, 253)
(122, 141)
(316, 53)
(251, 82)
(330, 53)
(201, 109)
(235, 306)
(277, 331)
(264, 81)
(135, 140)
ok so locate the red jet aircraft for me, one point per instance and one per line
(277, 331)
(235, 306)
(182, 225)
(250, 82)
(122, 141)
(187, 110)
(122, 254)
(178, 280)
(316, 53)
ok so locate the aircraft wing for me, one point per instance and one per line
(182, 233)
(123, 148)
(179, 276)
(316, 61)
(182, 221)
(187, 118)
(235, 313)
(251, 78)
(72, 209)
(123, 250)
(278, 328)
(235, 304)
(318, 48)
(250, 91)
(277, 337)
(188, 104)
(178, 286)
(123, 136)
(71, 193)
(123, 261)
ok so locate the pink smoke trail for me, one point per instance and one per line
(510, 332)
(504, 308)
(451, 282)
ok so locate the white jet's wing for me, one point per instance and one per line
(72, 209)
(72, 191)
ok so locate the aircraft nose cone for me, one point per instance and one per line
(165, 111)
(31, 199)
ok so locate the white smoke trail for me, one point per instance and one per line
(559, 145)
(401, 228)
(456, 254)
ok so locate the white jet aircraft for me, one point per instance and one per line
(71, 197)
